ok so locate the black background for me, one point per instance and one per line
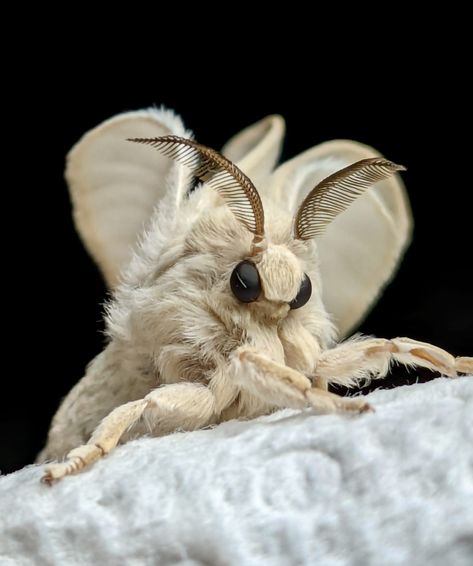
(413, 107)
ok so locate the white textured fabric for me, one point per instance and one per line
(393, 487)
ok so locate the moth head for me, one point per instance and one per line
(267, 274)
(272, 283)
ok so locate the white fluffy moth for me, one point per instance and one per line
(231, 300)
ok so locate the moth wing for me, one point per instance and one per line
(114, 185)
(256, 149)
(362, 247)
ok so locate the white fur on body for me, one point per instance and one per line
(184, 353)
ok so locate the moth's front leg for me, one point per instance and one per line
(370, 358)
(283, 386)
(185, 405)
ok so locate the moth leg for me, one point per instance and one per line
(370, 358)
(105, 437)
(464, 364)
(422, 354)
(283, 386)
(187, 406)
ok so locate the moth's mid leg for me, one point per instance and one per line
(370, 358)
(186, 406)
(285, 387)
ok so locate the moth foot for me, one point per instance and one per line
(55, 472)
(76, 461)
(464, 364)
(330, 403)
(355, 405)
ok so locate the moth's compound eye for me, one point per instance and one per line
(305, 291)
(245, 282)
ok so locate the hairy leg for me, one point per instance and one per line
(179, 406)
(283, 386)
(370, 358)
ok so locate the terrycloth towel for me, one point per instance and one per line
(390, 488)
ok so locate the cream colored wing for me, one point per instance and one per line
(114, 184)
(363, 246)
(256, 149)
